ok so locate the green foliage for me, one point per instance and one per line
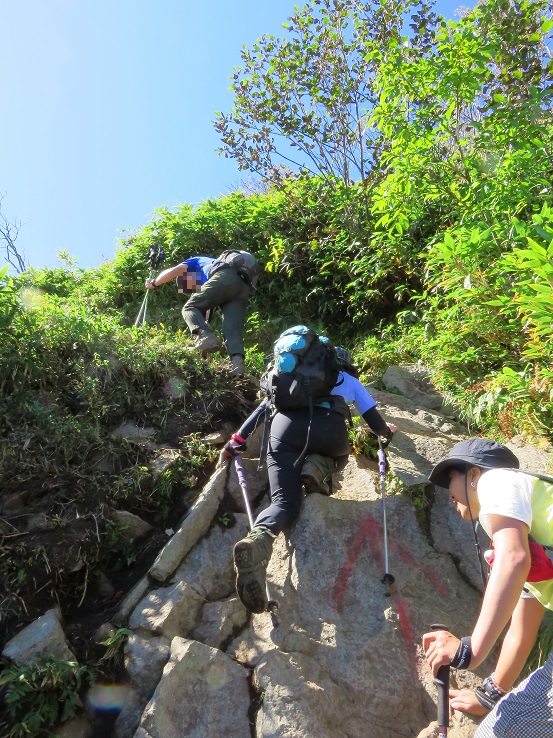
(304, 100)
(40, 695)
(117, 549)
(111, 661)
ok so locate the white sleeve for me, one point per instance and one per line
(507, 493)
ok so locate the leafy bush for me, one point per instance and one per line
(40, 695)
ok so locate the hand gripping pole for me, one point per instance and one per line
(441, 680)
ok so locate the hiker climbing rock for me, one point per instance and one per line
(306, 408)
(514, 508)
(226, 283)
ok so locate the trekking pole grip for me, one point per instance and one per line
(441, 680)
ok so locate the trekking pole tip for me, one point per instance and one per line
(389, 580)
(272, 607)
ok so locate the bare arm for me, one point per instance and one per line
(167, 275)
(518, 641)
(515, 649)
(509, 572)
(510, 569)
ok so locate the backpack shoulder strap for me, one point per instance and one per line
(538, 475)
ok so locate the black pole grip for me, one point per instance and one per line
(441, 680)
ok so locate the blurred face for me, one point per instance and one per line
(459, 495)
(192, 282)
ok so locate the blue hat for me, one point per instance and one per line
(473, 452)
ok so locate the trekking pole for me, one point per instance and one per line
(156, 257)
(388, 579)
(441, 680)
(272, 605)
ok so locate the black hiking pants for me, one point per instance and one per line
(328, 436)
(227, 291)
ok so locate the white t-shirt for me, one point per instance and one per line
(352, 390)
(507, 493)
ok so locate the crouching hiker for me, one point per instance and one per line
(306, 436)
(514, 508)
(226, 283)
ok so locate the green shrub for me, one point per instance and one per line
(40, 695)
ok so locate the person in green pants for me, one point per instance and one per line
(226, 283)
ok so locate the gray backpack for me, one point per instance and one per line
(245, 264)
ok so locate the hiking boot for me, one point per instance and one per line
(251, 557)
(206, 342)
(238, 367)
(316, 474)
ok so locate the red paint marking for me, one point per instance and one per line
(372, 532)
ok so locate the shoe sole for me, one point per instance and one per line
(250, 590)
(244, 557)
(312, 486)
(250, 577)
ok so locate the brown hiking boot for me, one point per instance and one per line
(206, 342)
(316, 474)
(251, 557)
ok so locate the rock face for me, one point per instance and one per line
(343, 656)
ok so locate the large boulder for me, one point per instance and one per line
(203, 694)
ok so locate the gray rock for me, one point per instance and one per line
(130, 431)
(145, 657)
(195, 526)
(43, 637)
(203, 694)
(219, 621)
(165, 459)
(129, 718)
(532, 458)
(132, 527)
(131, 601)
(169, 611)
(413, 381)
(257, 483)
(208, 567)
(453, 536)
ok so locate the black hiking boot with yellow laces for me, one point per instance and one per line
(251, 557)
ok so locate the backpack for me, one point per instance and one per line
(304, 372)
(245, 264)
(305, 368)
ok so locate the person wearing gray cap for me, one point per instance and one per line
(515, 510)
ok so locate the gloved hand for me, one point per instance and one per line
(234, 446)
(389, 435)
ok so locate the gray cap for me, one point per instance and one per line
(473, 452)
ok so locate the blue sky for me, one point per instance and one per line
(107, 113)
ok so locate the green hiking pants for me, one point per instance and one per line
(227, 291)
